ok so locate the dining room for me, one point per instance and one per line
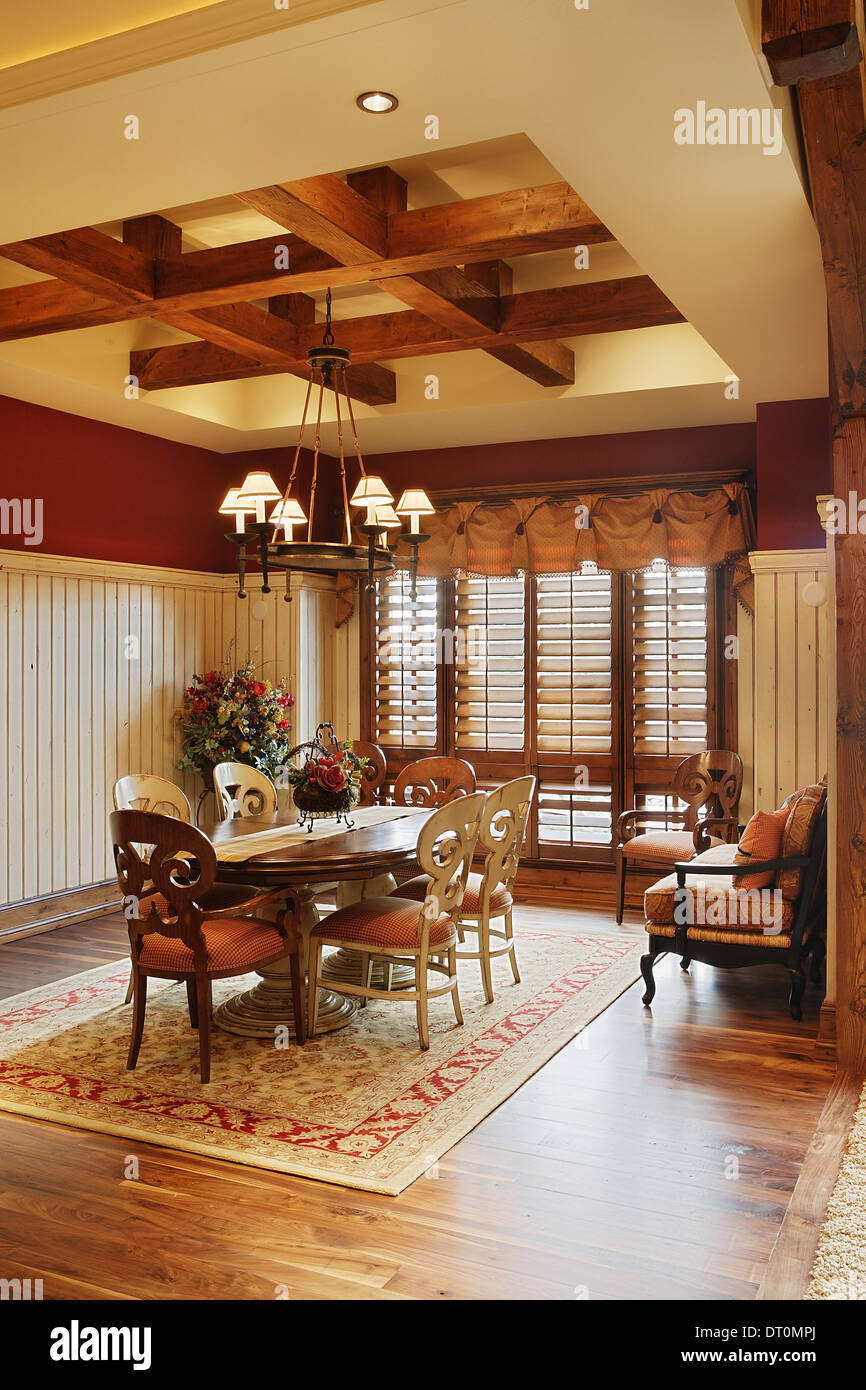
(430, 660)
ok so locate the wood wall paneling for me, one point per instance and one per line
(94, 659)
(784, 677)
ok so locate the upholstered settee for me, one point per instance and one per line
(727, 908)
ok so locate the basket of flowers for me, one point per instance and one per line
(325, 779)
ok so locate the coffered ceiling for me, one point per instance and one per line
(452, 260)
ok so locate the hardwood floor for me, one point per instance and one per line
(652, 1158)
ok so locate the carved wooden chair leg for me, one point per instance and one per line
(455, 994)
(512, 954)
(140, 982)
(798, 984)
(192, 1002)
(389, 975)
(366, 976)
(685, 962)
(421, 1002)
(202, 985)
(646, 969)
(314, 966)
(130, 987)
(298, 1001)
(620, 885)
(486, 963)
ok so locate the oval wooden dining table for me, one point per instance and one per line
(384, 838)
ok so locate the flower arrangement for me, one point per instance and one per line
(230, 716)
(326, 783)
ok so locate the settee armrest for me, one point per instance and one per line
(754, 866)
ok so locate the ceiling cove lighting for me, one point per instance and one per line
(377, 103)
(273, 541)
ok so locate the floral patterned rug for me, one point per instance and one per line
(363, 1107)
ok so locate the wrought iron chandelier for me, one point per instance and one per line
(261, 539)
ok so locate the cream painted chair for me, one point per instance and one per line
(243, 791)
(423, 934)
(142, 791)
(488, 895)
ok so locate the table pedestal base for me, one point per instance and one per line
(259, 1011)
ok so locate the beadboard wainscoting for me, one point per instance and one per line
(94, 659)
(783, 690)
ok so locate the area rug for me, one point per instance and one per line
(839, 1271)
(362, 1106)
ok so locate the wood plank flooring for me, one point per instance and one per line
(653, 1158)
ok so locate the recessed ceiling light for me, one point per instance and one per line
(377, 102)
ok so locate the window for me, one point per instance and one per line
(599, 684)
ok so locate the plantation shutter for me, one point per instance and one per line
(489, 663)
(574, 708)
(573, 663)
(670, 662)
(406, 705)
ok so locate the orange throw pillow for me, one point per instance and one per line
(761, 839)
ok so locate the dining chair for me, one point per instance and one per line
(373, 773)
(184, 941)
(157, 793)
(403, 930)
(704, 781)
(242, 790)
(488, 894)
(434, 782)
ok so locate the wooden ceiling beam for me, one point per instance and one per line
(461, 299)
(515, 223)
(803, 40)
(199, 364)
(236, 333)
(328, 213)
(538, 315)
(548, 364)
(89, 260)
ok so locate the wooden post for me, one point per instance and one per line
(849, 475)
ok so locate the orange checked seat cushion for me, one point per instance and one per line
(667, 846)
(232, 944)
(390, 922)
(500, 898)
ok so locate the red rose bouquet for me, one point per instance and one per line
(326, 783)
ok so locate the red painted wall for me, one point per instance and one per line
(794, 445)
(604, 456)
(111, 493)
(115, 494)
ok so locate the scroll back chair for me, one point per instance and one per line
(375, 772)
(488, 894)
(795, 930)
(434, 782)
(181, 940)
(402, 929)
(242, 790)
(158, 794)
(711, 782)
(431, 782)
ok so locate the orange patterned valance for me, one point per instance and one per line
(554, 535)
